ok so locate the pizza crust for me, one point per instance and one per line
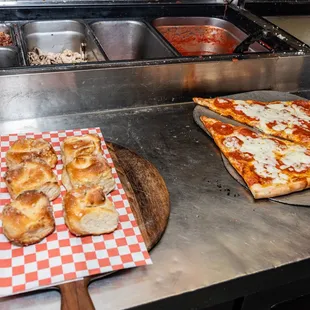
(259, 191)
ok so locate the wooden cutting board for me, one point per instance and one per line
(149, 200)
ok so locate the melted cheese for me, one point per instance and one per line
(265, 153)
(231, 142)
(296, 159)
(285, 116)
(280, 127)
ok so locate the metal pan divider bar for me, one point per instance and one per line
(19, 43)
(95, 39)
(148, 23)
(99, 53)
(22, 42)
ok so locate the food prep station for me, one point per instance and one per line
(143, 65)
(171, 33)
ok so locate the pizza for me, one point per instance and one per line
(289, 120)
(269, 166)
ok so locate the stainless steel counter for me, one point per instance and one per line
(216, 232)
(298, 26)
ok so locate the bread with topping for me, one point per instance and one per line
(87, 211)
(88, 170)
(29, 149)
(28, 219)
(32, 175)
(75, 146)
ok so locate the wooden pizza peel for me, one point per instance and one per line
(299, 198)
(149, 200)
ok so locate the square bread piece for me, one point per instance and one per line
(28, 219)
(32, 175)
(88, 170)
(87, 211)
(29, 149)
(72, 147)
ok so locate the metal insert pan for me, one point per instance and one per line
(58, 35)
(193, 36)
(9, 55)
(129, 40)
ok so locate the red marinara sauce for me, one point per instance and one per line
(199, 40)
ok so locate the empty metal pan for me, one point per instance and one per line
(129, 40)
(196, 36)
(9, 57)
(59, 35)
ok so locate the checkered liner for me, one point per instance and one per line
(62, 256)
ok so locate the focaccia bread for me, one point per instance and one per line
(88, 212)
(269, 166)
(75, 146)
(29, 149)
(32, 175)
(289, 120)
(88, 170)
(28, 219)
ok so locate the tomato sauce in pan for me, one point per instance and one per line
(196, 40)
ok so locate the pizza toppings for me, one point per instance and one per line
(264, 161)
(223, 129)
(286, 119)
(280, 114)
(302, 103)
(269, 166)
(223, 103)
(248, 133)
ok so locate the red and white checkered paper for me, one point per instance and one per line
(62, 256)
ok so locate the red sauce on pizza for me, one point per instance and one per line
(271, 124)
(297, 130)
(253, 178)
(265, 180)
(302, 103)
(306, 124)
(257, 102)
(278, 142)
(223, 103)
(248, 133)
(223, 129)
(239, 112)
(241, 156)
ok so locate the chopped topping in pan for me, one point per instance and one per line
(37, 57)
(5, 39)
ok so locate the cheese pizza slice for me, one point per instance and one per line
(285, 119)
(269, 166)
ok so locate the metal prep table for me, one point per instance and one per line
(217, 247)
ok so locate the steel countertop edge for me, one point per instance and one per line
(217, 246)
